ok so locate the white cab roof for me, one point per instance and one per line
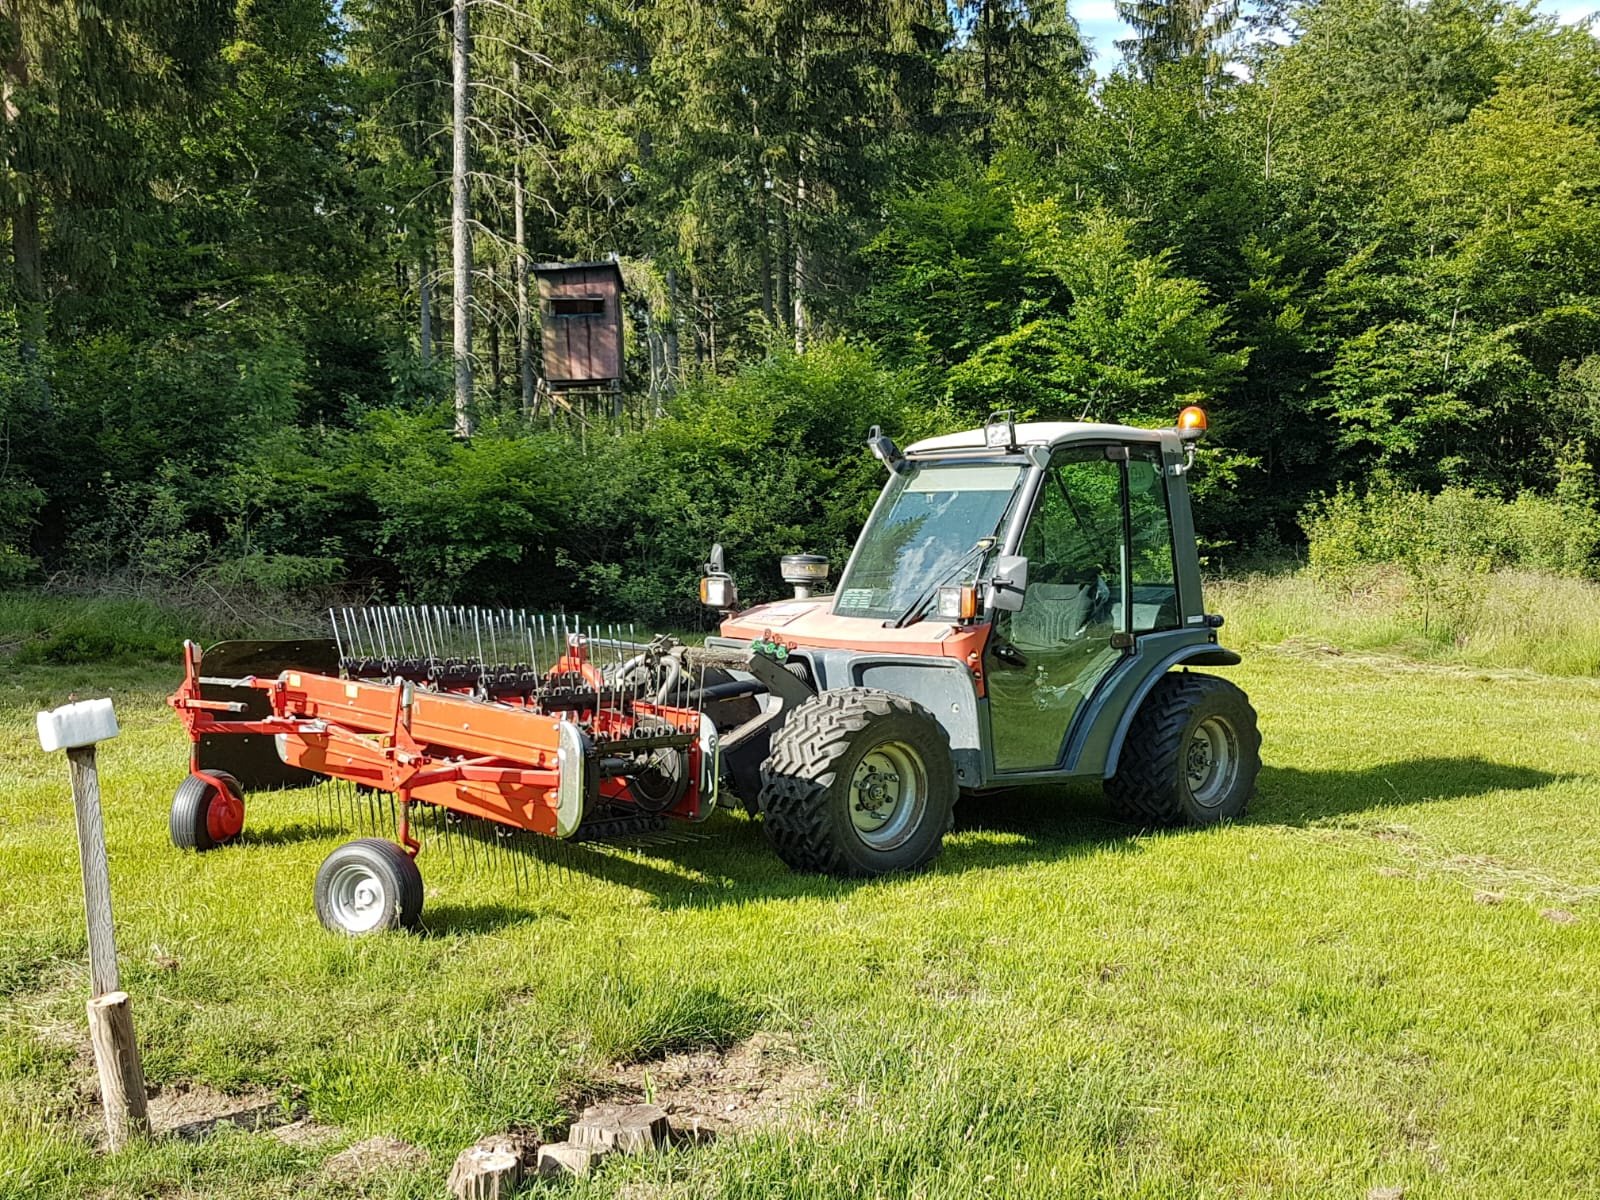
(1040, 433)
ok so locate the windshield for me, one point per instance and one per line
(924, 525)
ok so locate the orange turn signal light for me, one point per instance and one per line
(1192, 421)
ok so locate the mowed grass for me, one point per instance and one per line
(1388, 976)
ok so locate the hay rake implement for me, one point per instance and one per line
(514, 723)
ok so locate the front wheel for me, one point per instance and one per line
(1191, 755)
(367, 886)
(859, 782)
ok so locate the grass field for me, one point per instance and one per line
(1387, 977)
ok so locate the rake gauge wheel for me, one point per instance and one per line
(204, 817)
(368, 886)
(859, 782)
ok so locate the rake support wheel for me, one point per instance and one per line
(859, 782)
(203, 817)
(1191, 754)
(368, 886)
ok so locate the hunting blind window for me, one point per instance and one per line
(578, 306)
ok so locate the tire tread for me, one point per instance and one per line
(802, 769)
(1145, 787)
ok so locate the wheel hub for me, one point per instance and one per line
(1211, 761)
(888, 792)
(224, 816)
(357, 898)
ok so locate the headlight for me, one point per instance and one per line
(717, 591)
(958, 602)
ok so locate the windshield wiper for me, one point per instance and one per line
(918, 607)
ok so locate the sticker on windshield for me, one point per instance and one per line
(856, 598)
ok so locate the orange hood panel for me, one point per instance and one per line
(801, 623)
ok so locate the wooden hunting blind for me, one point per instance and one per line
(580, 313)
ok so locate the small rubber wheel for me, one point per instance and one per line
(205, 817)
(1192, 754)
(368, 886)
(859, 782)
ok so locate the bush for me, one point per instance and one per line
(1431, 553)
(1351, 536)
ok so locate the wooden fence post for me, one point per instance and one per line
(77, 728)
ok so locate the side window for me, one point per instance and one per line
(1074, 547)
(1155, 590)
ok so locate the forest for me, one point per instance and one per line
(267, 324)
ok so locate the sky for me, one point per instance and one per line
(1098, 21)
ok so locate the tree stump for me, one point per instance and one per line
(563, 1158)
(626, 1128)
(483, 1174)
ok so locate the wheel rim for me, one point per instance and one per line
(356, 898)
(1211, 763)
(224, 816)
(888, 795)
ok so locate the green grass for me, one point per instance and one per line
(1506, 619)
(1354, 988)
(47, 629)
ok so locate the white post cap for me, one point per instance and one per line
(74, 725)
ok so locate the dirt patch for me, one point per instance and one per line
(306, 1132)
(192, 1111)
(762, 1080)
(374, 1156)
(1559, 915)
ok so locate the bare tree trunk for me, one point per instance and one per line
(461, 217)
(799, 266)
(524, 323)
(424, 303)
(699, 329)
(764, 211)
(782, 300)
(674, 364)
(493, 316)
(27, 277)
(653, 342)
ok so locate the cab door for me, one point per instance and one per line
(1099, 548)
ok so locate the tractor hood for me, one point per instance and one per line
(801, 623)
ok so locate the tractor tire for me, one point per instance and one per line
(860, 782)
(368, 886)
(202, 817)
(1191, 755)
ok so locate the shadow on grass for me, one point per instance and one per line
(1288, 795)
(728, 860)
(288, 835)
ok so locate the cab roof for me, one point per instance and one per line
(1040, 433)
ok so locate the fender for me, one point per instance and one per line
(1207, 654)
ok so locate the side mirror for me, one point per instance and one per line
(1008, 583)
(886, 452)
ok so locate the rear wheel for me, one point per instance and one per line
(1191, 755)
(859, 782)
(367, 886)
(205, 816)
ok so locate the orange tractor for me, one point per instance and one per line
(1022, 607)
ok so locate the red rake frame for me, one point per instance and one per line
(508, 763)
